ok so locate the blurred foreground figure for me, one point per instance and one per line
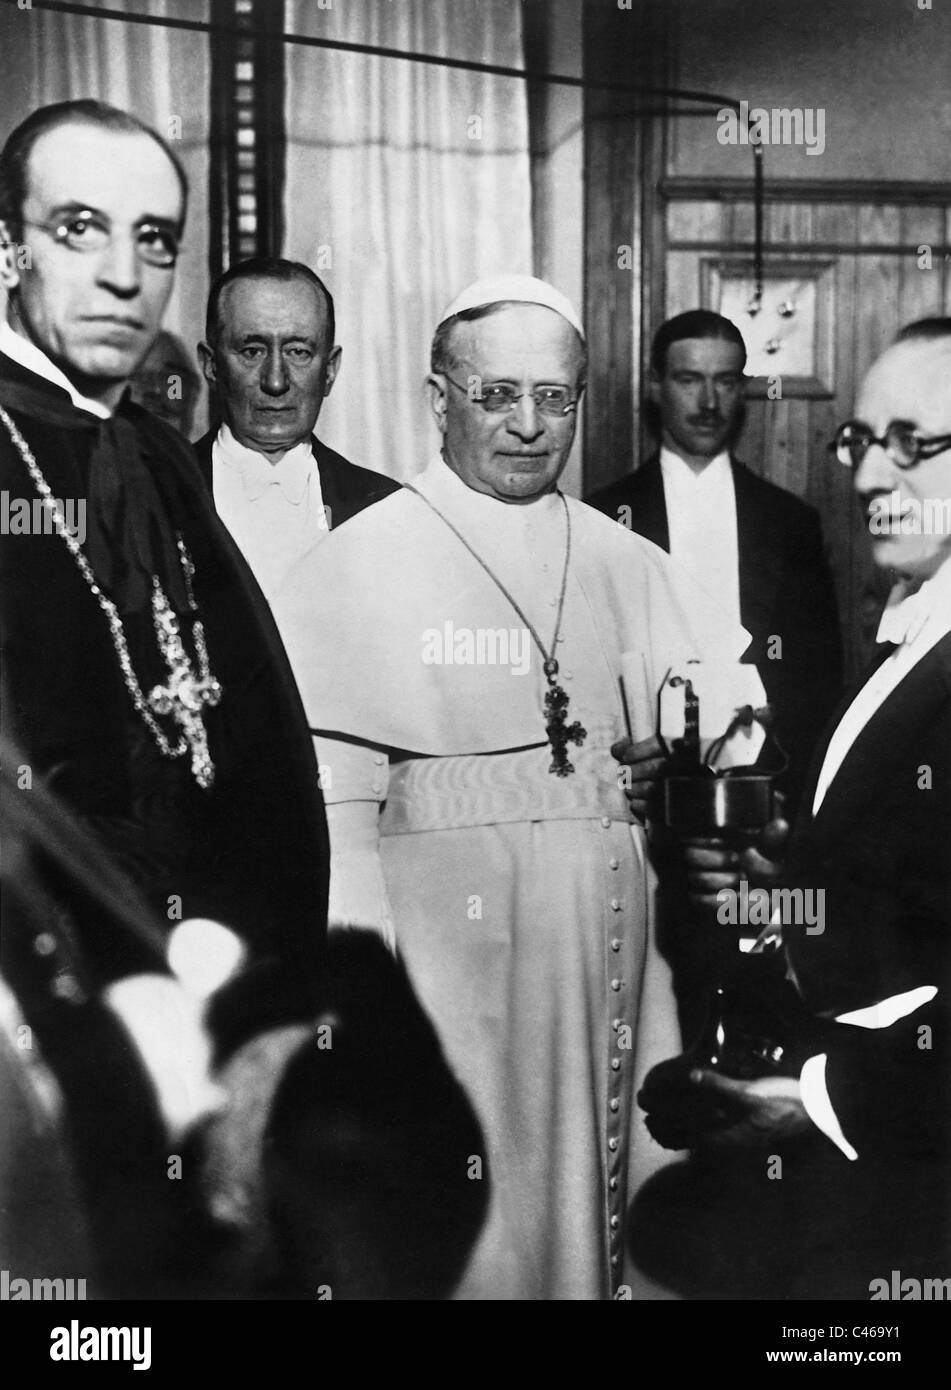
(863, 1125)
(355, 1182)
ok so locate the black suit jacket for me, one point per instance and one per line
(786, 590)
(345, 488)
(880, 849)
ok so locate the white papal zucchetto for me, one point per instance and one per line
(518, 289)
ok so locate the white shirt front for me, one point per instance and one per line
(274, 511)
(701, 524)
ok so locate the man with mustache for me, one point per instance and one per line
(755, 547)
(860, 1121)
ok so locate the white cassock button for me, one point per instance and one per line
(615, 1222)
(613, 1184)
(615, 904)
(615, 944)
(615, 985)
(568, 676)
(377, 787)
(612, 1145)
(615, 1064)
(606, 822)
(615, 1105)
(379, 759)
(614, 863)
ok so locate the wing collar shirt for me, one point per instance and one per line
(274, 511)
(701, 523)
(916, 621)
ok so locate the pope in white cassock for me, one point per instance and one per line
(458, 648)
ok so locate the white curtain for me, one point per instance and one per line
(160, 75)
(404, 183)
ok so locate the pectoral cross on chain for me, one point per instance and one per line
(560, 732)
(187, 692)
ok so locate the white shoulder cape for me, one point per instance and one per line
(355, 610)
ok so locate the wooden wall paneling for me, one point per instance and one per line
(751, 446)
(700, 221)
(739, 225)
(835, 223)
(683, 282)
(776, 460)
(625, 46)
(877, 285)
(920, 291)
(610, 294)
(787, 223)
(879, 224)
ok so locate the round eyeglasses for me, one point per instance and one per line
(901, 442)
(497, 397)
(155, 243)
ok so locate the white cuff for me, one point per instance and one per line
(815, 1098)
(164, 1022)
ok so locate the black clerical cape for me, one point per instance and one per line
(251, 851)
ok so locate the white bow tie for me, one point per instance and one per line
(904, 616)
(290, 475)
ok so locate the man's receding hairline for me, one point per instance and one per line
(82, 119)
(91, 123)
(266, 279)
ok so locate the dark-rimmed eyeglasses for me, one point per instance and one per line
(87, 231)
(901, 442)
(498, 397)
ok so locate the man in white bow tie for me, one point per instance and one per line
(270, 354)
(863, 1124)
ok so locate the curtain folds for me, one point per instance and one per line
(404, 183)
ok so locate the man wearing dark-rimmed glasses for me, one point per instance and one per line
(862, 1124)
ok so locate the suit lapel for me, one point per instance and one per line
(333, 499)
(649, 503)
(912, 705)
